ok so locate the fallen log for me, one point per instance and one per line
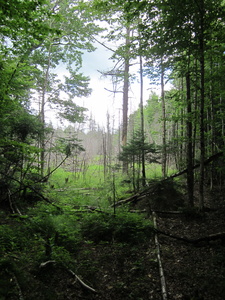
(211, 237)
(130, 199)
(206, 162)
(140, 195)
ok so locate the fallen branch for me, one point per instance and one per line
(19, 290)
(25, 186)
(44, 198)
(45, 178)
(161, 271)
(135, 197)
(88, 209)
(83, 284)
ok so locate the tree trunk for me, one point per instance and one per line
(104, 154)
(190, 173)
(142, 125)
(202, 107)
(212, 141)
(42, 112)
(126, 94)
(164, 155)
(109, 141)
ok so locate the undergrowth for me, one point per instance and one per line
(47, 234)
(80, 218)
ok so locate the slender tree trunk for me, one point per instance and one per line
(42, 112)
(196, 104)
(142, 125)
(178, 146)
(49, 154)
(134, 172)
(104, 154)
(202, 107)
(126, 94)
(213, 129)
(164, 154)
(182, 146)
(108, 141)
(190, 172)
(180, 132)
(114, 194)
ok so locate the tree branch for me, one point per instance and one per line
(45, 178)
(102, 44)
(113, 91)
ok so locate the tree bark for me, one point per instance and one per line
(164, 154)
(190, 173)
(202, 106)
(42, 111)
(142, 124)
(126, 94)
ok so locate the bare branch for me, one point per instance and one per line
(103, 44)
(113, 91)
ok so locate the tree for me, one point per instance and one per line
(65, 49)
(126, 54)
(142, 122)
(132, 154)
(23, 29)
(188, 29)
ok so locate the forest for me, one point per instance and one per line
(133, 210)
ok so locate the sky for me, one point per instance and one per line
(101, 101)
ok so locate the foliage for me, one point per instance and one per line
(123, 228)
(35, 39)
(135, 147)
(136, 153)
(183, 42)
(19, 157)
(47, 233)
(69, 146)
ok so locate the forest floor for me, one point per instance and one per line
(120, 271)
(195, 271)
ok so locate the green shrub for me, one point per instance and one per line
(13, 238)
(68, 232)
(96, 227)
(122, 228)
(132, 228)
(7, 239)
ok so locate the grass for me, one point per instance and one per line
(77, 189)
(92, 177)
(91, 189)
